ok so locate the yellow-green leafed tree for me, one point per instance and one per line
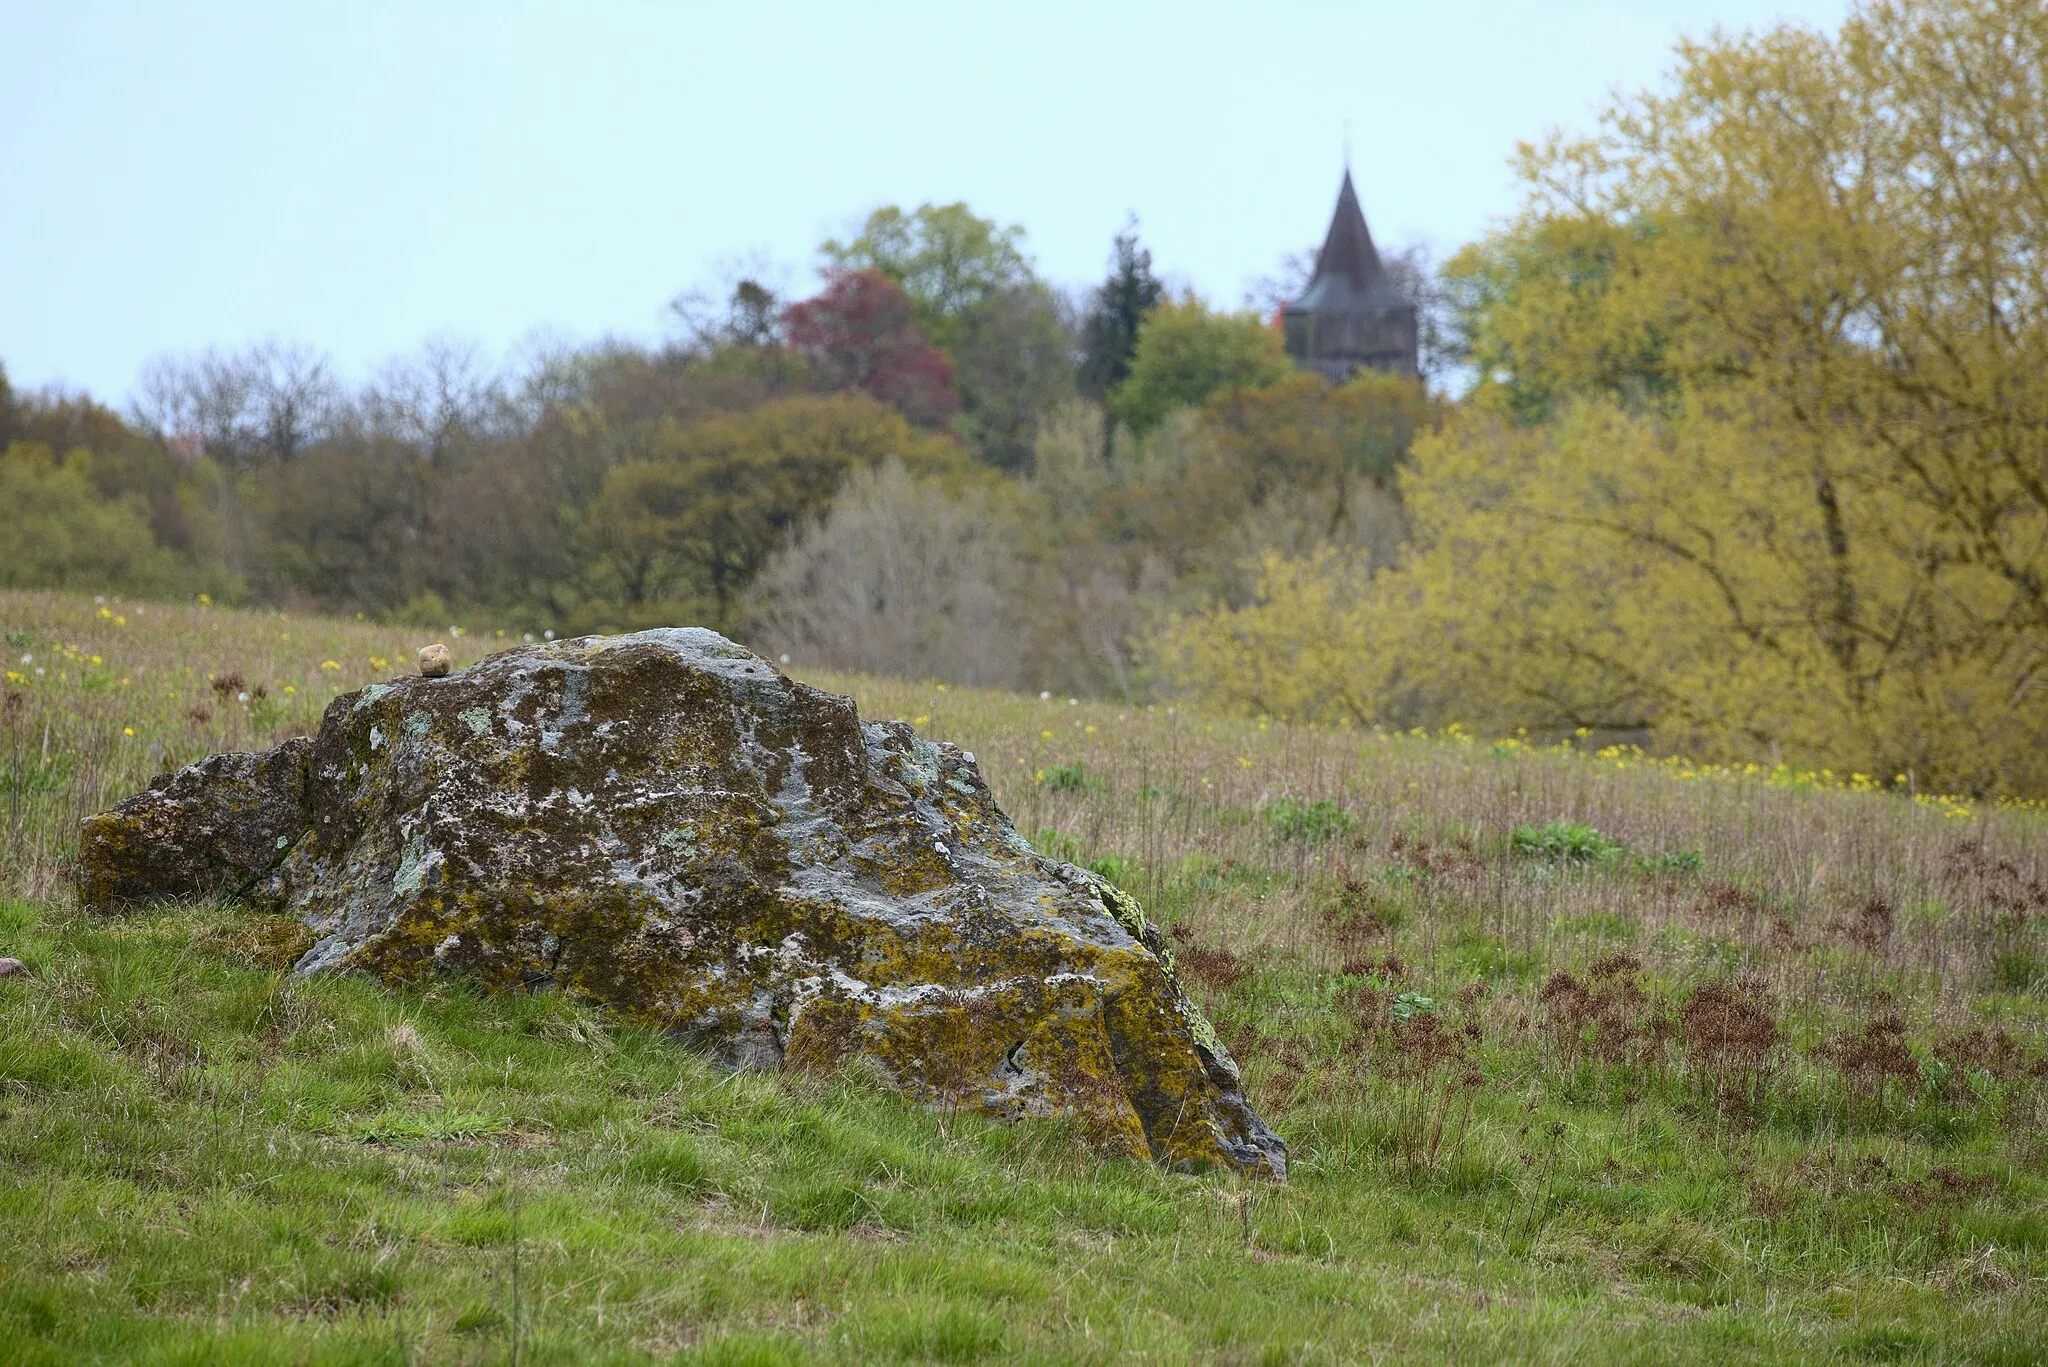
(1187, 352)
(1310, 646)
(1634, 573)
(58, 533)
(1758, 459)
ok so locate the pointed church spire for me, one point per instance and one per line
(1347, 264)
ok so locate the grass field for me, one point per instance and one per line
(1580, 1058)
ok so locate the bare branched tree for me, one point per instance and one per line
(740, 306)
(295, 396)
(270, 401)
(203, 397)
(439, 402)
(900, 577)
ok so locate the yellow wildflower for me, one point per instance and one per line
(330, 664)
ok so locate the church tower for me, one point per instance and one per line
(1350, 317)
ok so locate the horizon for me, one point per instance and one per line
(181, 183)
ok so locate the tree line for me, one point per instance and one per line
(1750, 463)
(617, 485)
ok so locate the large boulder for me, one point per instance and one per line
(663, 824)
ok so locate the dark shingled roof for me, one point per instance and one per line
(1348, 275)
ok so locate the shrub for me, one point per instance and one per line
(58, 533)
(1113, 867)
(1674, 861)
(1070, 778)
(1567, 842)
(1053, 844)
(1314, 822)
(1729, 1030)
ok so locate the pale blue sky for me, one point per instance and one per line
(362, 176)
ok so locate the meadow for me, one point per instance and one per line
(1581, 1057)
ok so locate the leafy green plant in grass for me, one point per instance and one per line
(1565, 842)
(1409, 1005)
(35, 778)
(1673, 861)
(1114, 867)
(1314, 822)
(1070, 778)
(1055, 844)
(2020, 969)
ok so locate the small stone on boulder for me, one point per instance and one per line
(435, 662)
(664, 825)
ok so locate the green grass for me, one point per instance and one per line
(1778, 1096)
(205, 1159)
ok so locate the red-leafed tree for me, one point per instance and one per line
(861, 332)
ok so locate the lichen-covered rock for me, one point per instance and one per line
(663, 824)
(213, 827)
